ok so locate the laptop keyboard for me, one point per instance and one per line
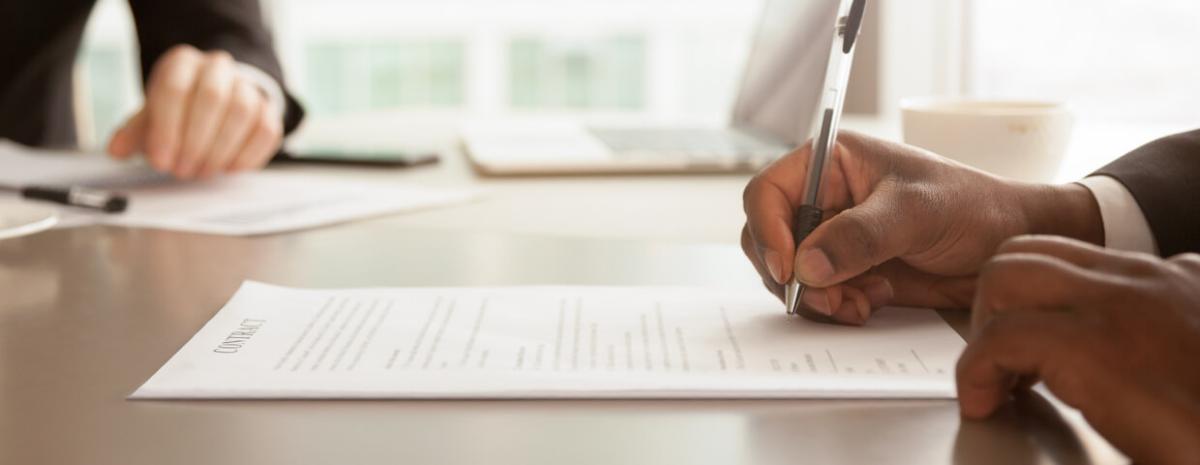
(698, 145)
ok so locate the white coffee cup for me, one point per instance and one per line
(1024, 140)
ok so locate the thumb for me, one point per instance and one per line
(852, 242)
(128, 139)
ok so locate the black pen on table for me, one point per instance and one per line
(94, 199)
(833, 94)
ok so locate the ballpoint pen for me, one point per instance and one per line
(833, 94)
(104, 201)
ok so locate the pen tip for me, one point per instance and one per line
(790, 299)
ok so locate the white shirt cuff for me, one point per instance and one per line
(268, 85)
(1125, 226)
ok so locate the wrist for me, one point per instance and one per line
(1068, 210)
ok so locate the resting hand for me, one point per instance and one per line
(201, 117)
(1116, 335)
(903, 226)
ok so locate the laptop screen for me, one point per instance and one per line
(781, 85)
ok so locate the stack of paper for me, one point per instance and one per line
(245, 204)
(260, 203)
(550, 342)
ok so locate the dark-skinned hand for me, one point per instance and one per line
(903, 226)
(1114, 334)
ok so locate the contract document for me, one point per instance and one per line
(549, 342)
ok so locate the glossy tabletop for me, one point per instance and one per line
(88, 314)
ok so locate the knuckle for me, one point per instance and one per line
(1014, 244)
(241, 111)
(220, 56)
(270, 127)
(1188, 262)
(245, 104)
(180, 55)
(846, 136)
(182, 51)
(1145, 265)
(848, 141)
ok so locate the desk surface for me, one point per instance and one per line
(88, 314)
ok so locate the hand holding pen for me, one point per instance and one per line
(901, 226)
(833, 95)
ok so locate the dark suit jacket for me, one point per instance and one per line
(39, 41)
(1164, 178)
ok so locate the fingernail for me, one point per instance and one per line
(864, 309)
(774, 265)
(880, 293)
(813, 267)
(818, 302)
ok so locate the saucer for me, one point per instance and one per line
(19, 219)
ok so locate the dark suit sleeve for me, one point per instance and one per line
(1164, 178)
(235, 26)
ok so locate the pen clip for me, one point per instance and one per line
(849, 25)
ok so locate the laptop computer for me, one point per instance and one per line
(777, 101)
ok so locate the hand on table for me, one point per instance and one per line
(903, 226)
(201, 117)
(1116, 335)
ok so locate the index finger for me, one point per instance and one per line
(772, 197)
(1044, 345)
(167, 93)
(1071, 359)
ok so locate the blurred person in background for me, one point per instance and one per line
(214, 92)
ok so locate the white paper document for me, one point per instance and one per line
(549, 342)
(245, 204)
(266, 202)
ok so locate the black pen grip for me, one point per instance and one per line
(808, 217)
(48, 194)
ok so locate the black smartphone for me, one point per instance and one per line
(361, 157)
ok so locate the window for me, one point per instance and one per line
(643, 60)
(1112, 60)
(355, 76)
(598, 73)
